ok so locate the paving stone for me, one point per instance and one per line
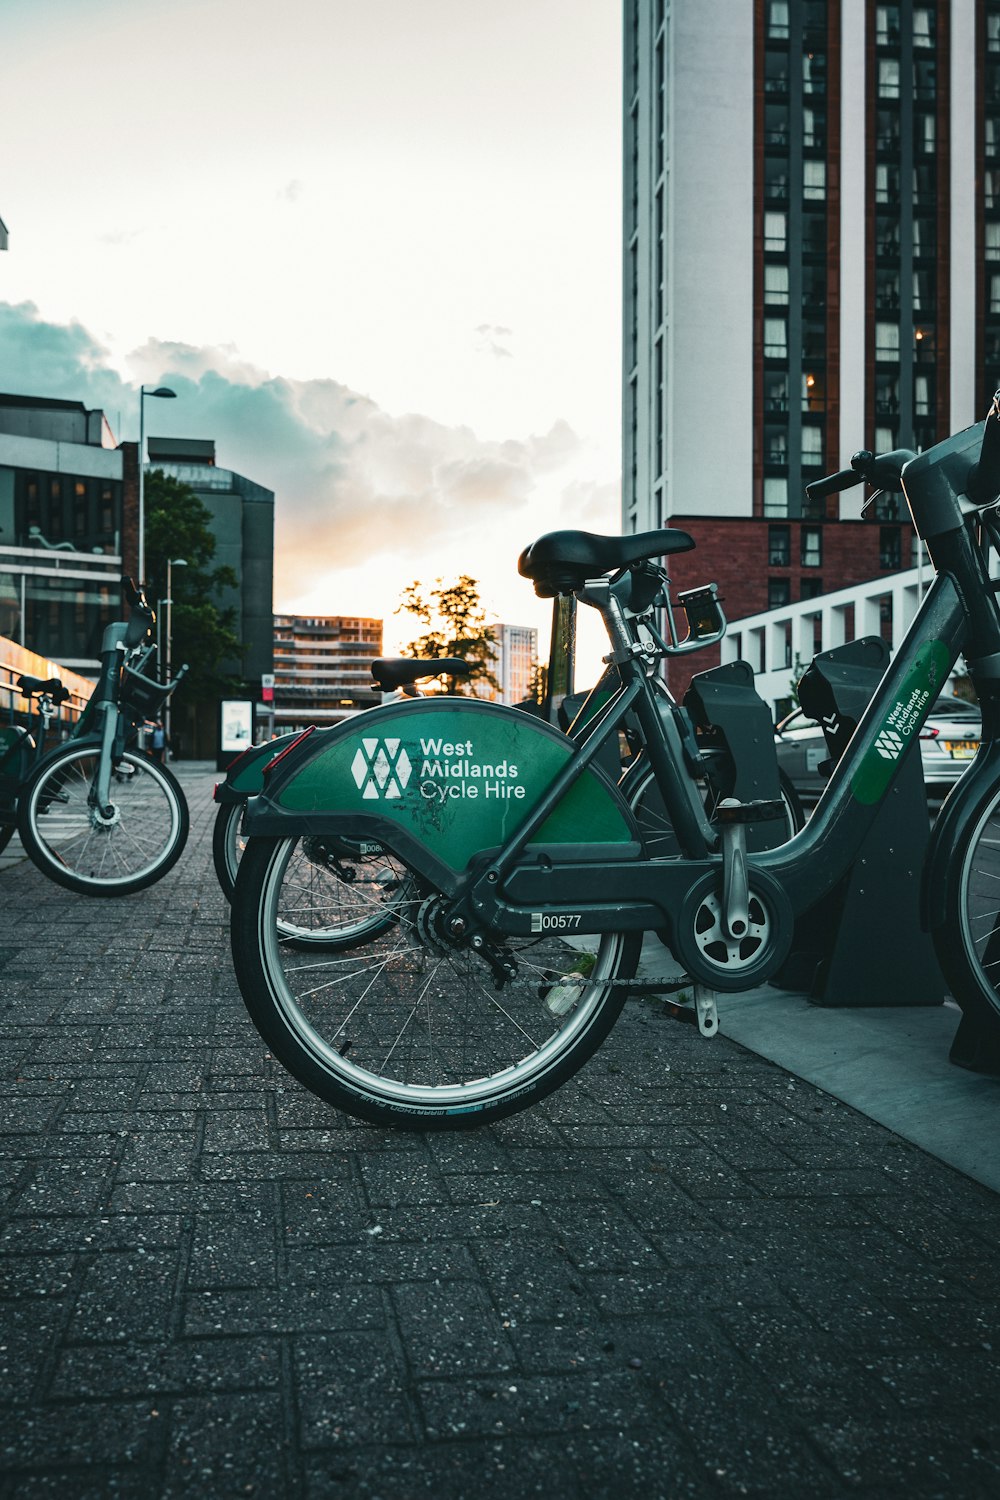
(286, 1310)
(168, 1367)
(227, 1445)
(352, 1391)
(683, 1275)
(451, 1328)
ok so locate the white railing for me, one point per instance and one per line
(780, 643)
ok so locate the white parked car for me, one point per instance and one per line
(948, 741)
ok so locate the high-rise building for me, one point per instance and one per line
(809, 269)
(241, 518)
(514, 664)
(322, 668)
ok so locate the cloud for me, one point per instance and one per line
(488, 340)
(355, 485)
(121, 236)
(291, 192)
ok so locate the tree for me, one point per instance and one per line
(203, 632)
(455, 624)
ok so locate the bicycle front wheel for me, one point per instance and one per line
(968, 941)
(75, 844)
(412, 1029)
(659, 838)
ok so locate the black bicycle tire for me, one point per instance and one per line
(253, 958)
(229, 813)
(961, 953)
(37, 849)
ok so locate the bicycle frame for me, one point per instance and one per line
(522, 884)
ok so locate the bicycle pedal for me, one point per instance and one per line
(708, 1015)
(731, 811)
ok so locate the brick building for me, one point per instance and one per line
(812, 266)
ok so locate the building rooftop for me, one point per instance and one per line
(181, 450)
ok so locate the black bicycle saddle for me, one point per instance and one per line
(561, 561)
(401, 671)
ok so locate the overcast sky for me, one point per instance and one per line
(374, 246)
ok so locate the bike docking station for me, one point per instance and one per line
(863, 944)
(732, 722)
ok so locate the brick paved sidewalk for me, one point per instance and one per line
(687, 1274)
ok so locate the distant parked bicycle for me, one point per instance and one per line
(96, 814)
(20, 749)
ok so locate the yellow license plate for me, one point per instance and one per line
(961, 749)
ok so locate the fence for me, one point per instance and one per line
(780, 643)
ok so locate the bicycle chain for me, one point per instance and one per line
(655, 986)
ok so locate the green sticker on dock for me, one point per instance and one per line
(902, 722)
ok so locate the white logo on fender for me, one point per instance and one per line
(889, 745)
(381, 769)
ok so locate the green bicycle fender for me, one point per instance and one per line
(440, 781)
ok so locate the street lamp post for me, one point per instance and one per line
(172, 562)
(144, 391)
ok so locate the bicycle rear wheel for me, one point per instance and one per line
(75, 845)
(410, 1028)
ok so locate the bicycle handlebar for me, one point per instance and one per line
(143, 616)
(883, 471)
(984, 476)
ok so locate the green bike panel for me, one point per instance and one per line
(902, 721)
(458, 778)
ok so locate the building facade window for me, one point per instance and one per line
(889, 548)
(775, 338)
(811, 541)
(779, 546)
(775, 496)
(775, 232)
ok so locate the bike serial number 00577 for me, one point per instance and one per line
(555, 922)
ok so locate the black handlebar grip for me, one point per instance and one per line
(984, 476)
(842, 480)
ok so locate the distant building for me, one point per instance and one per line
(322, 668)
(69, 532)
(242, 522)
(62, 528)
(513, 665)
(517, 658)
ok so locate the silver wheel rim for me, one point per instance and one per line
(376, 1018)
(130, 846)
